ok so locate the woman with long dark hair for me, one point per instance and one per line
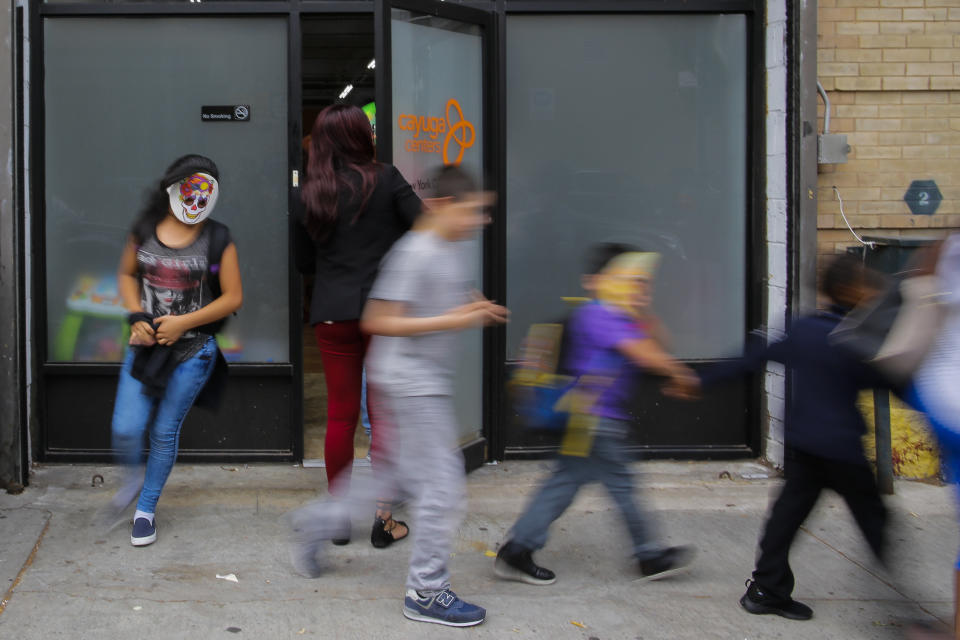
(179, 278)
(355, 209)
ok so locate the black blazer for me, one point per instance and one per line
(347, 260)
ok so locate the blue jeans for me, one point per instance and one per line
(134, 413)
(606, 464)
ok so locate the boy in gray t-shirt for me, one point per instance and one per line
(419, 300)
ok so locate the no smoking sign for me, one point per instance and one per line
(923, 197)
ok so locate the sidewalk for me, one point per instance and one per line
(213, 519)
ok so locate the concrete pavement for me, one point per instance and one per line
(69, 578)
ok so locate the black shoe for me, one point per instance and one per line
(340, 541)
(381, 535)
(670, 561)
(514, 563)
(758, 602)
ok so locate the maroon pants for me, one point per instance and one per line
(342, 348)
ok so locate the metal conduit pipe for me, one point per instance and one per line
(826, 105)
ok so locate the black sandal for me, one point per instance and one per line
(384, 531)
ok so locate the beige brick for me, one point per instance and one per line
(904, 55)
(858, 3)
(944, 27)
(845, 83)
(887, 42)
(862, 137)
(955, 124)
(878, 97)
(861, 165)
(826, 55)
(828, 206)
(917, 83)
(827, 3)
(828, 83)
(925, 151)
(943, 138)
(839, 125)
(925, 124)
(882, 68)
(956, 41)
(929, 69)
(892, 193)
(825, 221)
(939, 55)
(867, 151)
(858, 28)
(879, 124)
(856, 111)
(836, 15)
(954, 97)
(932, 97)
(890, 138)
(902, 111)
(860, 221)
(955, 151)
(901, 27)
(880, 179)
(883, 15)
(880, 207)
(838, 42)
(943, 110)
(861, 55)
(941, 3)
(945, 84)
(844, 68)
(954, 13)
(843, 98)
(924, 14)
(931, 41)
(901, 3)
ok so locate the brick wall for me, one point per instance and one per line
(891, 69)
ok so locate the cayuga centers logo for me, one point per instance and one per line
(458, 133)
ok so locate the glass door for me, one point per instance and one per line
(432, 103)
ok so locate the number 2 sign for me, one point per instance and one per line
(923, 197)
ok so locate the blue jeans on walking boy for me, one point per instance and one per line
(135, 414)
(606, 464)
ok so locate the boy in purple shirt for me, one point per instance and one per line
(608, 339)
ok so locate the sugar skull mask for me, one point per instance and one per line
(193, 198)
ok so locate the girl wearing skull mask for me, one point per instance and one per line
(167, 284)
(355, 209)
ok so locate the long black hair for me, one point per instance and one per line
(157, 202)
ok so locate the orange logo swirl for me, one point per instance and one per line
(462, 131)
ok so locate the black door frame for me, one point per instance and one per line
(494, 406)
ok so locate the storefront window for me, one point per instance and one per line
(629, 129)
(123, 99)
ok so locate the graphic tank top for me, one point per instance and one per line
(173, 282)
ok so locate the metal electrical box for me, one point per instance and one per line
(832, 148)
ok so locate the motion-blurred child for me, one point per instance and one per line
(822, 437)
(608, 342)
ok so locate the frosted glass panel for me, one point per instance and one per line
(629, 129)
(123, 99)
(438, 118)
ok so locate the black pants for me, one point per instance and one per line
(806, 476)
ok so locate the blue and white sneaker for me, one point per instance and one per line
(144, 532)
(442, 607)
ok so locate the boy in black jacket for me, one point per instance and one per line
(822, 436)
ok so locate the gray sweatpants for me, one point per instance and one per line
(422, 462)
(430, 472)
